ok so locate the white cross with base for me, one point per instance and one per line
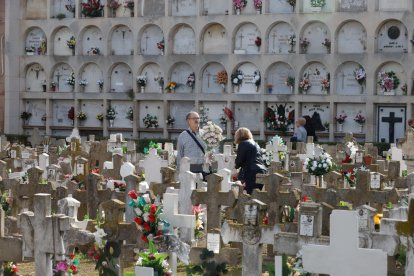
(343, 257)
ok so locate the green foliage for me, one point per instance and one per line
(401, 256)
(151, 258)
(208, 266)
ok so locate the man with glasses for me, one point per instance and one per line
(191, 145)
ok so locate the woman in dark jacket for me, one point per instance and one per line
(249, 159)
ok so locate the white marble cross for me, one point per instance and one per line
(152, 165)
(171, 214)
(343, 257)
(227, 159)
(226, 184)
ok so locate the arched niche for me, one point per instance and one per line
(346, 83)
(184, 41)
(179, 74)
(153, 73)
(36, 78)
(215, 39)
(149, 37)
(277, 75)
(280, 6)
(122, 41)
(91, 73)
(315, 72)
(122, 108)
(121, 78)
(244, 40)
(92, 38)
(60, 76)
(316, 32)
(63, 8)
(209, 79)
(248, 85)
(279, 38)
(392, 37)
(36, 43)
(60, 39)
(400, 73)
(352, 38)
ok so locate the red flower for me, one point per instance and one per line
(151, 218)
(138, 220)
(153, 209)
(71, 256)
(73, 268)
(305, 198)
(159, 233)
(132, 194)
(146, 227)
(97, 257)
(144, 238)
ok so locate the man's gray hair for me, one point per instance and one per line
(189, 114)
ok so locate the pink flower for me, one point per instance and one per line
(62, 266)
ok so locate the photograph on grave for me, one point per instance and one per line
(36, 43)
(391, 123)
(315, 79)
(122, 41)
(148, 41)
(183, 38)
(280, 79)
(121, 79)
(60, 41)
(91, 41)
(247, 39)
(215, 38)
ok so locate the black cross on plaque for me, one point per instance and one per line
(391, 120)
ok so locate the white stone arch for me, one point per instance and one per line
(351, 38)
(179, 73)
(276, 76)
(91, 73)
(400, 72)
(345, 81)
(153, 72)
(148, 38)
(315, 72)
(244, 38)
(248, 85)
(278, 38)
(60, 74)
(35, 78)
(60, 37)
(121, 41)
(121, 78)
(214, 38)
(316, 32)
(209, 78)
(183, 39)
(35, 41)
(392, 37)
(91, 37)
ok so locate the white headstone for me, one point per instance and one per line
(152, 165)
(44, 163)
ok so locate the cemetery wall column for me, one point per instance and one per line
(78, 9)
(49, 116)
(164, 118)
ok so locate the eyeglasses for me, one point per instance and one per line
(198, 118)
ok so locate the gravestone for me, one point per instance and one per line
(149, 39)
(153, 8)
(279, 38)
(315, 72)
(153, 73)
(121, 41)
(209, 79)
(215, 37)
(246, 115)
(351, 110)
(352, 37)
(59, 8)
(91, 73)
(92, 38)
(277, 76)
(343, 250)
(152, 165)
(319, 113)
(11, 247)
(62, 72)
(391, 123)
(60, 47)
(346, 84)
(184, 41)
(316, 33)
(213, 7)
(392, 37)
(179, 74)
(34, 39)
(184, 8)
(178, 110)
(244, 40)
(35, 78)
(153, 108)
(353, 5)
(121, 120)
(38, 110)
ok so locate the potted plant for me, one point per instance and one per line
(237, 79)
(171, 86)
(340, 120)
(161, 46)
(304, 44)
(258, 6)
(71, 114)
(111, 115)
(222, 79)
(71, 44)
(360, 119)
(191, 80)
(93, 8)
(129, 4)
(238, 5)
(130, 114)
(142, 82)
(25, 115)
(170, 121)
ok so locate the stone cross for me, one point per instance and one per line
(214, 199)
(74, 151)
(168, 180)
(252, 234)
(152, 165)
(112, 169)
(392, 120)
(172, 215)
(226, 184)
(343, 257)
(43, 234)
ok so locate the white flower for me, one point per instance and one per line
(138, 211)
(165, 264)
(240, 77)
(315, 163)
(313, 168)
(139, 262)
(325, 165)
(146, 217)
(99, 234)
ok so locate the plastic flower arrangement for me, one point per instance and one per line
(257, 79)
(258, 41)
(10, 268)
(304, 85)
(360, 119)
(67, 267)
(71, 113)
(404, 89)
(130, 114)
(93, 51)
(5, 201)
(191, 80)
(350, 176)
(319, 165)
(237, 78)
(222, 78)
(83, 82)
(257, 4)
(161, 45)
(147, 216)
(318, 3)
(292, 40)
(120, 187)
(150, 121)
(171, 86)
(304, 44)
(152, 145)
(93, 8)
(388, 81)
(113, 4)
(71, 80)
(142, 81)
(100, 83)
(160, 81)
(360, 75)
(267, 157)
(290, 81)
(100, 117)
(129, 4)
(170, 120)
(325, 85)
(70, 8)
(239, 4)
(340, 119)
(327, 44)
(229, 114)
(199, 225)
(158, 261)
(280, 123)
(211, 135)
(81, 116)
(291, 2)
(111, 113)
(25, 115)
(71, 42)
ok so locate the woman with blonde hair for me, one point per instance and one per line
(249, 159)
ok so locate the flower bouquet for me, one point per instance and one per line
(10, 269)
(71, 80)
(25, 115)
(292, 3)
(171, 86)
(258, 42)
(93, 51)
(161, 46)
(304, 44)
(191, 80)
(350, 176)
(81, 116)
(199, 226)
(129, 4)
(360, 119)
(360, 75)
(71, 42)
(152, 259)
(211, 135)
(113, 4)
(388, 81)
(222, 78)
(67, 267)
(292, 43)
(304, 86)
(280, 123)
(229, 114)
(340, 119)
(404, 89)
(147, 216)
(290, 82)
(100, 117)
(239, 4)
(170, 121)
(111, 113)
(327, 43)
(318, 3)
(71, 113)
(100, 83)
(319, 165)
(130, 114)
(258, 5)
(142, 82)
(150, 121)
(325, 85)
(93, 8)
(83, 82)
(119, 186)
(267, 157)
(71, 8)
(237, 78)
(257, 79)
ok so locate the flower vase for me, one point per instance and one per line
(111, 122)
(162, 52)
(132, 12)
(142, 89)
(259, 11)
(291, 90)
(73, 51)
(340, 127)
(362, 89)
(238, 11)
(319, 181)
(223, 88)
(161, 89)
(361, 128)
(270, 90)
(172, 90)
(389, 93)
(236, 88)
